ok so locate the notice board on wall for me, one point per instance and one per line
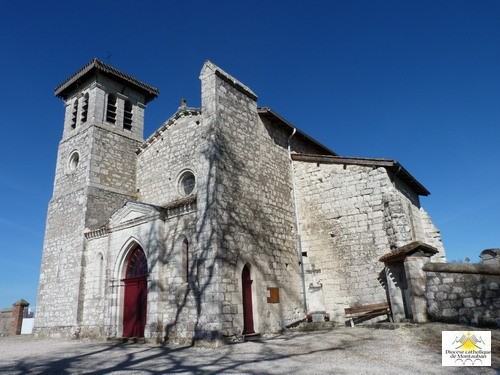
(273, 295)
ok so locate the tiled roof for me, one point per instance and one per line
(95, 66)
(269, 114)
(416, 247)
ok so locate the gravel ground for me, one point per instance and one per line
(359, 350)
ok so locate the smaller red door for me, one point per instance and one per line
(247, 301)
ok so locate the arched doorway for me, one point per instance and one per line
(136, 294)
(246, 282)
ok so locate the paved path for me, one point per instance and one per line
(339, 351)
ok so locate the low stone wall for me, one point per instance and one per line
(463, 293)
(6, 321)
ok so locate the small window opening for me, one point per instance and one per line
(99, 277)
(85, 107)
(111, 109)
(74, 159)
(127, 116)
(74, 114)
(187, 183)
(185, 260)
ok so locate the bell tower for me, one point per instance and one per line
(95, 176)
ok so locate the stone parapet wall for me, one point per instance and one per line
(463, 293)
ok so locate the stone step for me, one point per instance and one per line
(127, 340)
(252, 337)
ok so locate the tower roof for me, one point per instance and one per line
(95, 67)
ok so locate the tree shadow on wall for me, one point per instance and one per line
(230, 223)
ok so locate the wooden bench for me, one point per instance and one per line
(368, 310)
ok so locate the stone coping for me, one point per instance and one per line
(181, 112)
(226, 77)
(475, 268)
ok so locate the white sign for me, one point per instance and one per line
(466, 348)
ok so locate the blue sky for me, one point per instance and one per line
(415, 81)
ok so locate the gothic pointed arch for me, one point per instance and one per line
(137, 264)
(124, 254)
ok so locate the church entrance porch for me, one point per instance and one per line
(136, 292)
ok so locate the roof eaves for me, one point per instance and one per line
(327, 159)
(97, 65)
(400, 171)
(392, 165)
(270, 114)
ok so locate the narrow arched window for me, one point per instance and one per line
(127, 116)
(111, 109)
(99, 275)
(185, 260)
(85, 108)
(74, 114)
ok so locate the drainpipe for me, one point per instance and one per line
(298, 240)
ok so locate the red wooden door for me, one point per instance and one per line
(136, 295)
(247, 301)
(134, 313)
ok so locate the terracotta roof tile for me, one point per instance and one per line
(407, 250)
(96, 65)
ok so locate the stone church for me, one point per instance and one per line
(227, 221)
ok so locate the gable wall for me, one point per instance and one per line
(350, 218)
(159, 164)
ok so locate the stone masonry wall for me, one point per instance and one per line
(255, 222)
(60, 272)
(98, 267)
(85, 194)
(112, 175)
(406, 220)
(463, 293)
(6, 320)
(176, 147)
(352, 215)
(173, 305)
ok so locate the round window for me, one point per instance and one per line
(187, 183)
(73, 161)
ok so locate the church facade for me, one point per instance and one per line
(227, 221)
